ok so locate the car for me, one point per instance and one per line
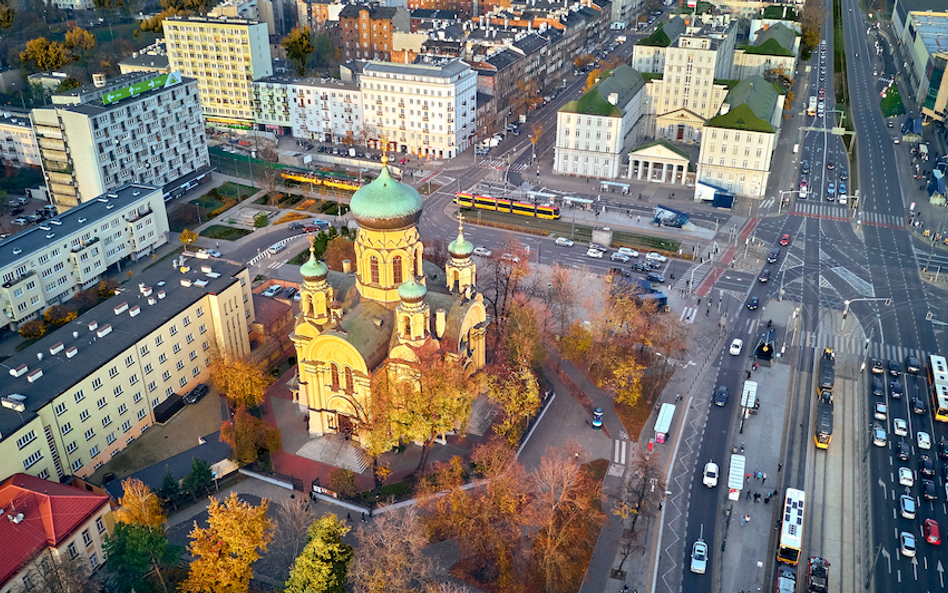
(894, 369)
(619, 257)
(906, 477)
(720, 396)
(900, 427)
(843, 175)
(16, 210)
(896, 390)
(924, 440)
(880, 411)
(785, 240)
(944, 470)
(277, 247)
(619, 272)
(918, 405)
(907, 506)
(907, 544)
(752, 303)
(656, 257)
(594, 253)
(803, 187)
(212, 252)
(21, 201)
(289, 292)
(878, 387)
(879, 438)
(928, 490)
(510, 258)
(482, 252)
(912, 365)
(196, 394)
(764, 275)
(736, 346)
(830, 165)
(628, 251)
(842, 187)
(877, 367)
(653, 265)
(20, 222)
(842, 199)
(641, 267)
(655, 278)
(296, 225)
(830, 189)
(895, 140)
(564, 242)
(699, 557)
(805, 167)
(598, 247)
(35, 216)
(903, 451)
(931, 531)
(710, 475)
(926, 466)
(943, 448)
(273, 290)
(890, 124)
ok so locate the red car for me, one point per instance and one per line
(785, 240)
(932, 532)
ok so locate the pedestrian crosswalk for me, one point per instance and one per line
(688, 315)
(620, 446)
(501, 164)
(854, 345)
(276, 265)
(876, 218)
(689, 281)
(840, 211)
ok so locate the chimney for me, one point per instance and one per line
(346, 266)
(439, 322)
(724, 108)
(614, 98)
(98, 79)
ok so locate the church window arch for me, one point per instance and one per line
(374, 269)
(407, 323)
(397, 269)
(334, 371)
(350, 383)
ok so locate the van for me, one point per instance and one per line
(774, 254)
(796, 148)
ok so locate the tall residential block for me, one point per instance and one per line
(225, 55)
(18, 146)
(367, 30)
(138, 128)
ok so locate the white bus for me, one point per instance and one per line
(791, 529)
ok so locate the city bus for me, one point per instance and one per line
(791, 528)
(938, 386)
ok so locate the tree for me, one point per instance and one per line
(60, 574)
(188, 237)
(811, 19)
(79, 39)
(643, 492)
(520, 340)
(33, 330)
(325, 52)
(298, 48)
(199, 479)
(7, 15)
(560, 296)
(260, 220)
(224, 551)
(139, 505)
(85, 299)
(390, 554)
(502, 279)
(339, 249)
(106, 289)
(536, 130)
(59, 315)
(323, 565)
(43, 55)
(293, 518)
(134, 551)
(170, 487)
(436, 251)
(248, 436)
(583, 60)
(243, 383)
(518, 395)
(342, 480)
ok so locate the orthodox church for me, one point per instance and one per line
(352, 325)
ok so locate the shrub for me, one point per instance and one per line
(59, 315)
(342, 481)
(32, 330)
(106, 289)
(261, 220)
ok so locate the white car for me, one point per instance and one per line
(878, 436)
(881, 411)
(736, 346)
(628, 251)
(564, 242)
(924, 440)
(617, 256)
(273, 290)
(510, 257)
(699, 557)
(593, 253)
(710, 478)
(656, 257)
(213, 252)
(907, 544)
(907, 506)
(900, 427)
(906, 477)
(482, 252)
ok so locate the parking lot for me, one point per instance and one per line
(22, 214)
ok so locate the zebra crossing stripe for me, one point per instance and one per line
(620, 450)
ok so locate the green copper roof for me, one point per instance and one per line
(412, 291)
(739, 118)
(624, 82)
(460, 247)
(386, 203)
(314, 268)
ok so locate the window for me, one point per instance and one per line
(84, 415)
(72, 547)
(163, 358)
(79, 395)
(334, 372)
(31, 460)
(186, 321)
(126, 426)
(138, 397)
(203, 328)
(190, 338)
(94, 560)
(148, 368)
(129, 360)
(76, 466)
(374, 270)
(26, 439)
(205, 346)
(176, 349)
(166, 375)
(151, 386)
(60, 409)
(141, 413)
(200, 311)
(132, 380)
(182, 381)
(93, 452)
(122, 409)
(113, 372)
(96, 383)
(106, 421)
(397, 269)
(118, 390)
(173, 330)
(110, 438)
(89, 433)
(350, 386)
(71, 447)
(143, 350)
(195, 372)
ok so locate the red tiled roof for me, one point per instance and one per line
(51, 513)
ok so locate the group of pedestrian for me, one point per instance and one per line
(745, 519)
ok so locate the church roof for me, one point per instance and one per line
(412, 291)
(460, 247)
(386, 203)
(313, 268)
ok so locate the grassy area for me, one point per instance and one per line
(891, 104)
(224, 233)
(235, 191)
(186, 216)
(208, 202)
(840, 76)
(290, 217)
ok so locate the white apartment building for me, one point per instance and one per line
(18, 145)
(329, 111)
(738, 144)
(225, 55)
(74, 4)
(83, 393)
(44, 265)
(426, 109)
(139, 128)
(594, 132)
(272, 99)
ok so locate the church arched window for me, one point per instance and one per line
(407, 331)
(374, 269)
(350, 384)
(397, 269)
(334, 370)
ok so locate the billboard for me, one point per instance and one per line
(142, 86)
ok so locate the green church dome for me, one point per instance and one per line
(314, 269)
(412, 291)
(386, 203)
(460, 247)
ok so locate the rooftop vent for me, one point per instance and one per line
(44, 227)
(50, 235)
(206, 269)
(109, 206)
(19, 371)
(136, 192)
(213, 274)
(56, 349)
(17, 251)
(93, 325)
(119, 309)
(161, 294)
(151, 300)
(15, 402)
(56, 222)
(146, 291)
(104, 330)
(103, 199)
(75, 335)
(34, 375)
(111, 196)
(184, 282)
(134, 311)
(81, 220)
(200, 282)
(71, 351)
(15, 518)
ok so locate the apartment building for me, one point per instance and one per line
(315, 14)
(74, 4)
(141, 128)
(426, 109)
(775, 48)
(225, 55)
(327, 111)
(272, 99)
(82, 394)
(738, 144)
(366, 30)
(47, 263)
(48, 521)
(18, 145)
(594, 132)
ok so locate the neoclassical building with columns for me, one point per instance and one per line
(355, 324)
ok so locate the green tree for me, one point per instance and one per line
(43, 55)
(324, 562)
(326, 52)
(261, 220)
(134, 551)
(298, 48)
(170, 487)
(199, 478)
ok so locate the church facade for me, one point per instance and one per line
(353, 325)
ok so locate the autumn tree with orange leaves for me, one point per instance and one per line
(248, 436)
(243, 383)
(139, 505)
(224, 551)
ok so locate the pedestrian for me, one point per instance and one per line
(748, 495)
(363, 516)
(779, 467)
(763, 478)
(742, 520)
(756, 475)
(699, 302)
(748, 478)
(748, 375)
(661, 505)
(775, 492)
(348, 517)
(747, 518)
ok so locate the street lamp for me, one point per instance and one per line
(887, 300)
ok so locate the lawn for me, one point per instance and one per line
(225, 233)
(186, 216)
(891, 104)
(235, 191)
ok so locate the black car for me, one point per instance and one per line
(720, 396)
(928, 490)
(830, 165)
(752, 304)
(656, 278)
(641, 267)
(619, 272)
(296, 226)
(197, 393)
(877, 367)
(895, 390)
(878, 387)
(764, 275)
(918, 405)
(894, 369)
(903, 451)
(944, 470)
(926, 466)
(912, 365)
(804, 167)
(843, 176)
(943, 448)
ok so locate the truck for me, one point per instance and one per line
(663, 424)
(811, 108)
(735, 477)
(621, 39)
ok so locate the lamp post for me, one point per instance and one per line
(886, 300)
